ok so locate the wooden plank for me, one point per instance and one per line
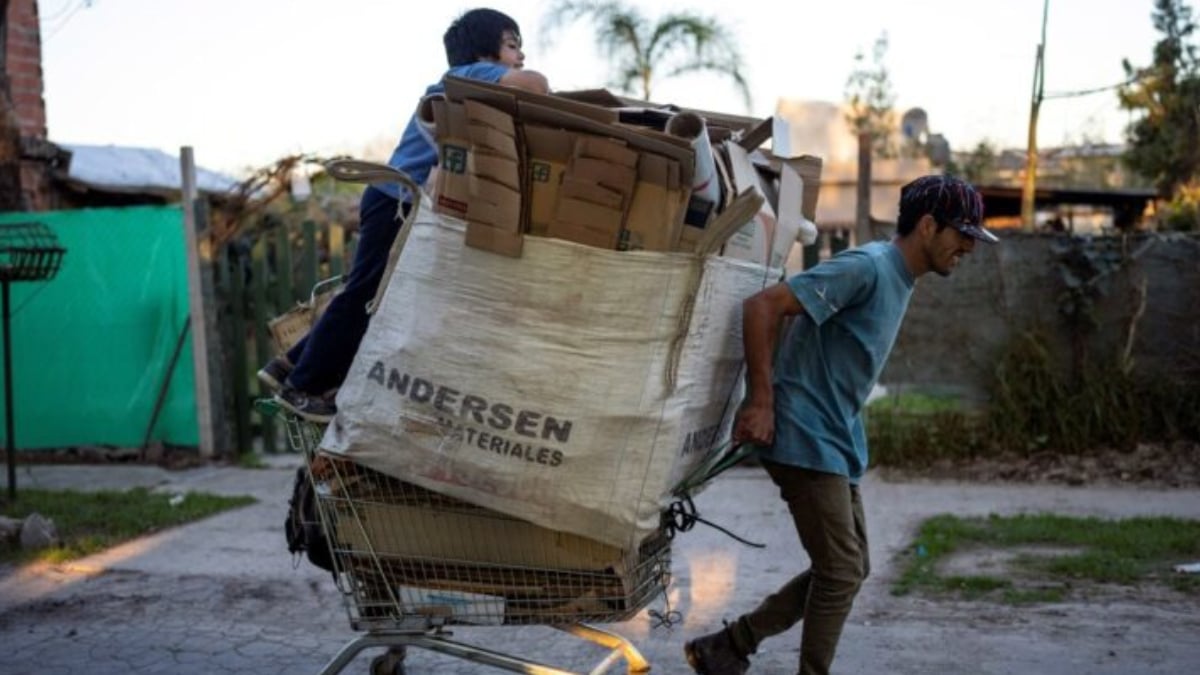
(337, 250)
(262, 338)
(308, 260)
(203, 393)
(285, 293)
(239, 351)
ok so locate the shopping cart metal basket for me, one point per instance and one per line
(411, 563)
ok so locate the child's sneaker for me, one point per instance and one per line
(319, 409)
(275, 373)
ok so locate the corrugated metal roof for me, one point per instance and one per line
(124, 169)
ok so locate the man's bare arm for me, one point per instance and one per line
(761, 314)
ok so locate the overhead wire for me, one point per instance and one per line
(48, 34)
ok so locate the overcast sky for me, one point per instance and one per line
(247, 81)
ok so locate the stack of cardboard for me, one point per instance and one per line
(587, 167)
(474, 565)
(595, 192)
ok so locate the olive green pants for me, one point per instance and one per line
(828, 514)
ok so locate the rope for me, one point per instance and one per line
(666, 620)
(681, 516)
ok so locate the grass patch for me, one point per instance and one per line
(1039, 401)
(251, 460)
(89, 522)
(1128, 552)
(915, 403)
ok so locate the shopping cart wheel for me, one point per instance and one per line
(389, 663)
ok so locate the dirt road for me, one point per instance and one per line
(222, 596)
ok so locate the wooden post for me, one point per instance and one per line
(285, 293)
(308, 265)
(204, 413)
(241, 382)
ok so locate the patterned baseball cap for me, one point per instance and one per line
(951, 201)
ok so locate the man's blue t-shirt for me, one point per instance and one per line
(833, 355)
(416, 154)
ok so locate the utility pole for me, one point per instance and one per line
(862, 202)
(1031, 154)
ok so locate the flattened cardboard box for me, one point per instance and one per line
(588, 214)
(807, 167)
(508, 99)
(547, 153)
(612, 177)
(610, 150)
(591, 191)
(655, 212)
(765, 240)
(451, 191)
(486, 115)
(494, 210)
(494, 204)
(498, 168)
(470, 536)
(494, 239)
(640, 140)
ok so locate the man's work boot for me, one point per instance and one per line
(715, 654)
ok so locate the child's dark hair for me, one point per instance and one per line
(476, 35)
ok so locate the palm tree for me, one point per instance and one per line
(677, 43)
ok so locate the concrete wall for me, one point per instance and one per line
(956, 325)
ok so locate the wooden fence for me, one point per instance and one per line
(257, 278)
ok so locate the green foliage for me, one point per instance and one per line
(641, 50)
(89, 522)
(978, 166)
(869, 98)
(1164, 140)
(1182, 213)
(1129, 552)
(899, 437)
(1085, 266)
(1038, 405)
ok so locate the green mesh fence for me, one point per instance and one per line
(93, 346)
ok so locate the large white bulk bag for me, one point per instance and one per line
(573, 387)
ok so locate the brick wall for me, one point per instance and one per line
(23, 73)
(24, 66)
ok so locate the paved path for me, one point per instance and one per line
(223, 596)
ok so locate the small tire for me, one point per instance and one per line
(390, 662)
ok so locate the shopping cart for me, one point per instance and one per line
(411, 563)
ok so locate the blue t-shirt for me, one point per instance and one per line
(833, 355)
(416, 154)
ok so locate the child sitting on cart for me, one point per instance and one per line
(482, 44)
